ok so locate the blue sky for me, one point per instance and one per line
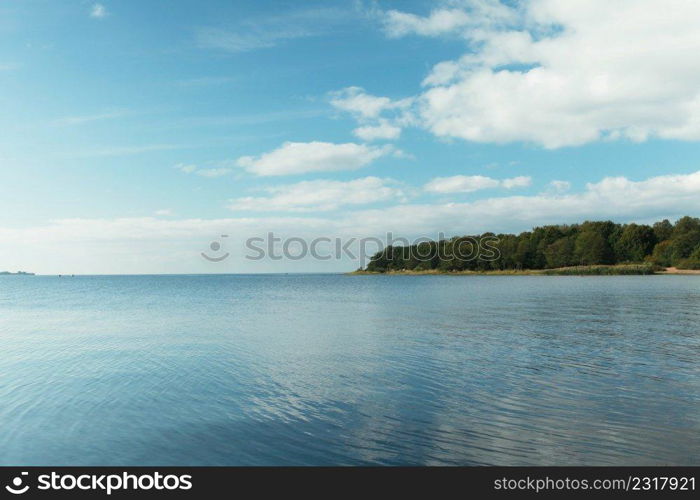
(134, 133)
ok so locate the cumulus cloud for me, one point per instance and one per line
(153, 244)
(439, 22)
(617, 198)
(456, 16)
(320, 195)
(460, 184)
(368, 109)
(302, 157)
(471, 183)
(561, 74)
(355, 100)
(517, 182)
(384, 130)
(559, 186)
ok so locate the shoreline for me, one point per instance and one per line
(674, 270)
(601, 270)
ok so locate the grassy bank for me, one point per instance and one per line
(616, 270)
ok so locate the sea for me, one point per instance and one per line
(330, 369)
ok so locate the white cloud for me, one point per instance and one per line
(460, 184)
(301, 157)
(367, 110)
(617, 198)
(439, 22)
(384, 130)
(164, 212)
(152, 244)
(562, 73)
(356, 101)
(187, 169)
(321, 195)
(471, 183)
(559, 186)
(213, 172)
(204, 172)
(98, 11)
(516, 182)
(456, 17)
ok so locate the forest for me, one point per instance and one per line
(590, 243)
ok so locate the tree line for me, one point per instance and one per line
(554, 246)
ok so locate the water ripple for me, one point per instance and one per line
(308, 370)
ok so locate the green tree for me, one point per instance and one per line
(685, 225)
(592, 248)
(508, 247)
(524, 253)
(684, 243)
(663, 253)
(692, 262)
(561, 252)
(602, 252)
(635, 243)
(590, 243)
(663, 230)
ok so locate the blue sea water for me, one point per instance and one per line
(333, 369)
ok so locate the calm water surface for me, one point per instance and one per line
(330, 369)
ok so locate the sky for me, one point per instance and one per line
(143, 136)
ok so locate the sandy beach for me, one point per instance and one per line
(674, 270)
